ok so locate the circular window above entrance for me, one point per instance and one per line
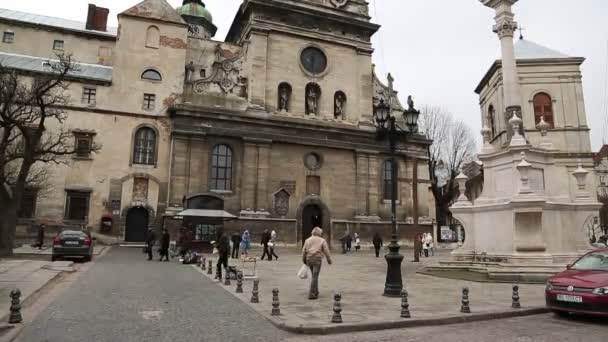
(312, 161)
(313, 60)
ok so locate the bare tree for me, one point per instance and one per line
(453, 145)
(29, 104)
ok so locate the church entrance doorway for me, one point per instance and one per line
(136, 225)
(312, 216)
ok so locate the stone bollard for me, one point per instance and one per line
(15, 316)
(239, 282)
(337, 316)
(210, 267)
(203, 263)
(254, 293)
(465, 301)
(226, 278)
(515, 298)
(405, 306)
(275, 303)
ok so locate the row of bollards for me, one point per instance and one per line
(337, 306)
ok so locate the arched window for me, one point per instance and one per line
(492, 119)
(151, 75)
(284, 97)
(340, 105)
(153, 37)
(543, 106)
(144, 150)
(221, 168)
(388, 179)
(313, 99)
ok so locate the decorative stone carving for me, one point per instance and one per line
(486, 133)
(505, 27)
(462, 186)
(339, 105)
(581, 181)
(514, 115)
(189, 72)
(140, 189)
(313, 92)
(281, 202)
(387, 94)
(339, 3)
(543, 126)
(227, 74)
(524, 169)
(284, 97)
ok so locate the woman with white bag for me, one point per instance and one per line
(315, 248)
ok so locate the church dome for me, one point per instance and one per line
(195, 8)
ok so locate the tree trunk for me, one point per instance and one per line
(8, 226)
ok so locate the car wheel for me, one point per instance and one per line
(53, 258)
(563, 314)
(87, 258)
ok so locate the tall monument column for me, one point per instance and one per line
(505, 28)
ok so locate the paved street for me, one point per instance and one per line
(122, 297)
(126, 298)
(539, 328)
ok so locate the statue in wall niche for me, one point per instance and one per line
(312, 101)
(189, 71)
(284, 93)
(339, 102)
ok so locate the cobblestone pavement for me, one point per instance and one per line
(123, 297)
(538, 328)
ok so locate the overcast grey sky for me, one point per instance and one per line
(438, 50)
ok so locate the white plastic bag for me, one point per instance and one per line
(303, 272)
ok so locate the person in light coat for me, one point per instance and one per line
(315, 248)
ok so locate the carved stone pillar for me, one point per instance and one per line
(362, 184)
(374, 185)
(249, 176)
(258, 57)
(262, 194)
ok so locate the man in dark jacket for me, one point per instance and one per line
(150, 241)
(223, 247)
(265, 240)
(236, 242)
(164, 245)
(377, 241)
(40, 236)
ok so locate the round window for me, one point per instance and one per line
(312, 161)
(313, 60)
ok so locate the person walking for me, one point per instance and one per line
(223, 248)
(40, 236)
(150, 241)
(236, 243)
(377, 241)
(264, 242)
(426, 244)
(165, 238)
(343, 242)
(357, 240)
(245, 242)
(315, 248)
(349, 243)
(272, 245)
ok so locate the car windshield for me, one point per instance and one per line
(596, 261)
(73, 233)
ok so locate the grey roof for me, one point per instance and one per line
(525, 49)
(44, 20)
(92, 72)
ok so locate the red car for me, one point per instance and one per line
(582, 288)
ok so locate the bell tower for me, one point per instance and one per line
(199, 19)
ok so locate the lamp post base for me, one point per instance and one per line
(394, 282)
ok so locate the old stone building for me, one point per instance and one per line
(277, 120)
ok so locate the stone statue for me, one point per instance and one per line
(284, 99)
(339, 105)
(312, 101)
(189, 71)
(410, 103)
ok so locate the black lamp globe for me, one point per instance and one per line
(411, 119)
(383, 112)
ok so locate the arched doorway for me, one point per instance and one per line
(312, 216)
(136, 225)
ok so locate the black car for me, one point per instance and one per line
(72, 243)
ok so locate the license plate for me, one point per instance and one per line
(72, 243)
(569, 298)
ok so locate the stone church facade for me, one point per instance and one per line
(277, 120)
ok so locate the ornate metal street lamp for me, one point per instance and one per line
(387, 128)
